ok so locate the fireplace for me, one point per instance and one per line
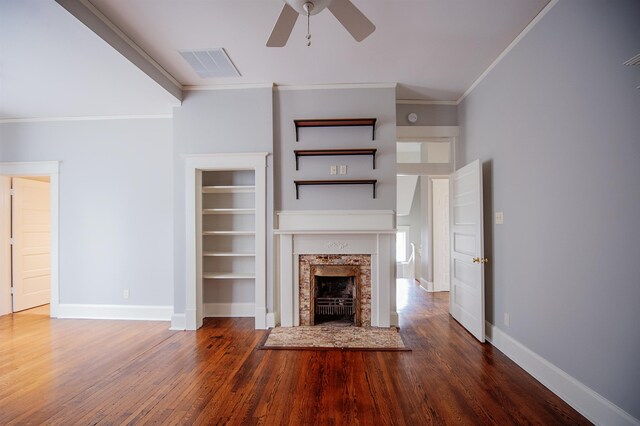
(354, 238)
(334, 295)
(335, 290)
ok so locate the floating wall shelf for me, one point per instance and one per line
(371, 182)
(337, 122)
(331, 152)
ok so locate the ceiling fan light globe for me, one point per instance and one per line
(318, 6)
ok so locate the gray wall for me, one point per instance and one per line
(220, 121)
(428, 115)
(335, 103)
(556, 127)
(115, 205)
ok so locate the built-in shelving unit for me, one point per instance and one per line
(337, 122)
(299, 183)
(228, 236)
(335, 152)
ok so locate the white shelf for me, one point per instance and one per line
(226, 254)
(228, 275)
(228, 211)
(227, 189)
(228, 233)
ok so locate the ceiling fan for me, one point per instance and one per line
(346, 12)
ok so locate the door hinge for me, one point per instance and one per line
(12, 192)
(11, 241)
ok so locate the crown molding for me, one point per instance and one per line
(287, 87)
(508, 49)
(84, 118)
(229, 86)
(424, 102)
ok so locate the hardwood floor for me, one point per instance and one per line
(72, 372)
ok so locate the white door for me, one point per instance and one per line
(467, 249)
(441, 250)
(31, 249)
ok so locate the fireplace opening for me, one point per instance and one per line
(334, 300)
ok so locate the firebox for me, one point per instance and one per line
(334, 298)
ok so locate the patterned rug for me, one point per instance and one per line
(346, 338)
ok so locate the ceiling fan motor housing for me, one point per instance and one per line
(318, 6)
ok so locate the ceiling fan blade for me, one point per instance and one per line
(283, 27)
(352, 19)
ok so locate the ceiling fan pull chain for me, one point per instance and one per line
(308, 7)
(308, 29)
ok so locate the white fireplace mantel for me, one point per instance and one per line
(370, 232)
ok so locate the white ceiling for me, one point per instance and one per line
(54, 66)
(434, 49)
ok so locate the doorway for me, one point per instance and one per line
(29, 236)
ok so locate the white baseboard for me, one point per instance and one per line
(115, 312)
(271, 320)
(178, 322)
(583, 399)
(426, 285)
(229, 310)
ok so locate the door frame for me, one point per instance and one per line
(195, 164)
(37, 168)
(427, 173)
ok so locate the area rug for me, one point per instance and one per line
(327, 338)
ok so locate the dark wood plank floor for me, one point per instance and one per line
(71, 372)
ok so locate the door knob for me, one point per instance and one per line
(480, 260)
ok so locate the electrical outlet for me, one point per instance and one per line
(507, 319)
(125, 294)
(343, 170)
(333, 170)
(499, 218)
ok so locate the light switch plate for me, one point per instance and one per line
(333, 170)
(499, 218)
(343, 170)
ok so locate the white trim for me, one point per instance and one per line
(504, 53)
(178, 322)
(84, 118)
(229, 86)
(426, 285)
(424, 102)
(6, 299)
(246, 310)
(331, 221)
(415, 133)
(220, 160)
(583, 399)
(194, 165)
(116, 312)
(51, 169)
(271, 320)
(286, 87)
